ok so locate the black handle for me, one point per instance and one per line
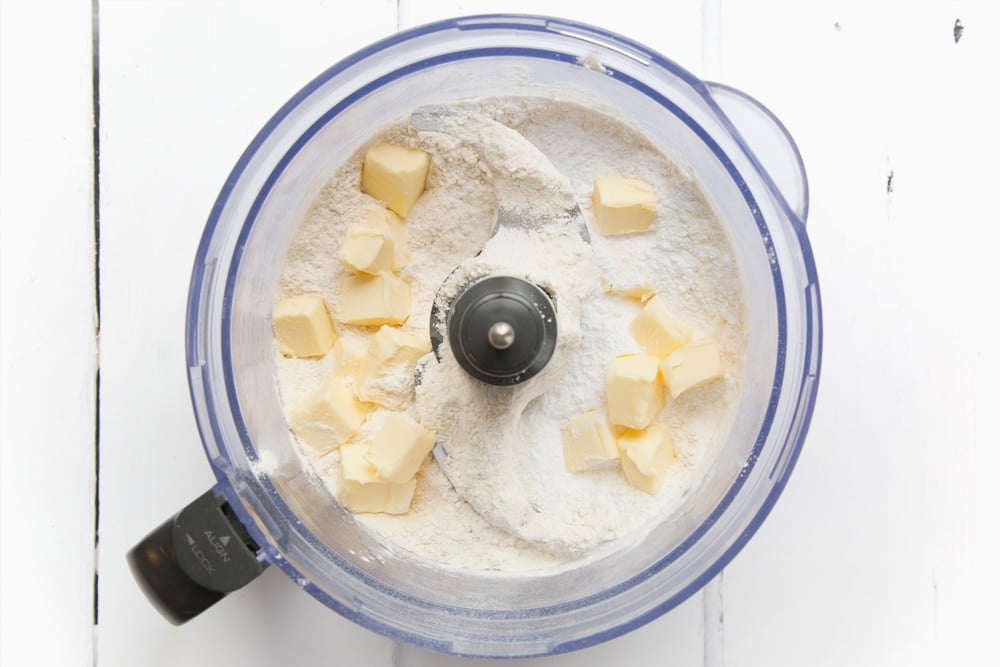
(195, 558)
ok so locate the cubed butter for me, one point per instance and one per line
(693, 365)
(647, 456)
(360, 489)
(384, 219)
(635, 391)
(640, 292)
(328, 417)
(302, 326)
(588, 442)
(396, 175)
(657, 330)
(348, 353)
(374, 300)
(623, 205)
(386, 374)
(367, 249)
(399, 447)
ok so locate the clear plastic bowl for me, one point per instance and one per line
(230, 353)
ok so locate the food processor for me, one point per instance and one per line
(268, 508)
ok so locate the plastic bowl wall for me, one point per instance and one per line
(230, 349)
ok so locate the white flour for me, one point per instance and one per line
(538, 514)
(489, 460)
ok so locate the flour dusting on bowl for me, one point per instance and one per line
(685, 258)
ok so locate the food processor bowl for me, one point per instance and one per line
(277, 509)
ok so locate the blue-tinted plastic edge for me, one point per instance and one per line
(511, 22)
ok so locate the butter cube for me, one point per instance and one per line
(657, 330)
(367, 249)
(635, 392)
(399, 447)
(691, 366)
(386, 220)
(637, 292)
(623, 205)
(396, 175)
(348, 353)
(646, 456)
(374, 300)
(328, 417)
(302, 326)
(386, 374)
(588, 442)
(360, 489)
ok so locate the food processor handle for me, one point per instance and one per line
(768, 144)
(195, 558)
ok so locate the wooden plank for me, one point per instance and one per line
(879, 551)
(184, 88)
(47, 335)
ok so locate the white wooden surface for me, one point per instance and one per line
(47, 342)
(881, 551)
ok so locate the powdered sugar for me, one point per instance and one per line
(504, 443)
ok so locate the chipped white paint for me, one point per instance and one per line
(713, 623)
